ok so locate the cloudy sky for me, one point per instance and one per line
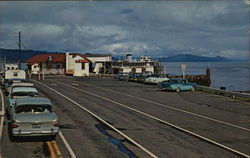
(162, 28)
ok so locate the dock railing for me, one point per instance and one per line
(234, 95)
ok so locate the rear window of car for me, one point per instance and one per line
(33, 108)
(23, 94)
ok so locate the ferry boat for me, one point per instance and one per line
(143, 65)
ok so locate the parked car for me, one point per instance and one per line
(33, 117)
(133, 76)
(155, 79)
(8, 82)
(19, 92)
(18, 84)
(122, 76)
(177, 84)
(138, 77)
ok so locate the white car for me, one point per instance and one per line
(34, 117)
(155, 79)
(19, 92)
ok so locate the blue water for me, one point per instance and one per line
(232, 75)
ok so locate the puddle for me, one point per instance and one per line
(118, 143)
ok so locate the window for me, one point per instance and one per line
(83, 66)
(15, 74)
(33, 108)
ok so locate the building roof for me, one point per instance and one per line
(54, 58)
(85, 60)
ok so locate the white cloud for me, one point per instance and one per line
(237, 54)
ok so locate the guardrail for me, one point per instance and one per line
(234, 95)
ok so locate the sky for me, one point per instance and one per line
(155, 28)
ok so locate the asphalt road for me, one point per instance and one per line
(168, 124)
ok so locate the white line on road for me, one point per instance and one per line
(165, 122)
(67, 145)
(2, 119)
(100, 119)
(170, 107)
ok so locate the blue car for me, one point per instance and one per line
(121, 76)
(177, 84)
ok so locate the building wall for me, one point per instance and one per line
(71, 64)
(52, 68)
(78, 71)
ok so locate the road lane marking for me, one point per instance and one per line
(170, 107)
(52, 152)
(2, 119)
(73, 155)
(56, 148)
(106, 123)
(165, 122)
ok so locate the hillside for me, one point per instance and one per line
(193, 58)
(12, 54)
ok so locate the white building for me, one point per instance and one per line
(47, 64)
(98, 61)
(77, 64)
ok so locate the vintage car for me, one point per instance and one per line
(155, 79)
(138, 77)
(177, 84)
(18, 84)
(33, 117)
(19, 92)
(7, 84)
(121, 76)
(133, 76)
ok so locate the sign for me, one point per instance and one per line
(183, 67)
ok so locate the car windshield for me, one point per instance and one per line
(23, 94)
(33, 108)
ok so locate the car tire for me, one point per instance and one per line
(193, 89)
(177, 90)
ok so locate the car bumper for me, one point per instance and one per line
(35, 132)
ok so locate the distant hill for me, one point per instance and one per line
(12, 54)
(192, 58)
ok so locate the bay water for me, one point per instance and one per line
(232, 75)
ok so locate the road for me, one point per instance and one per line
(101, 117)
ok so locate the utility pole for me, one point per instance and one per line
(19, 52)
